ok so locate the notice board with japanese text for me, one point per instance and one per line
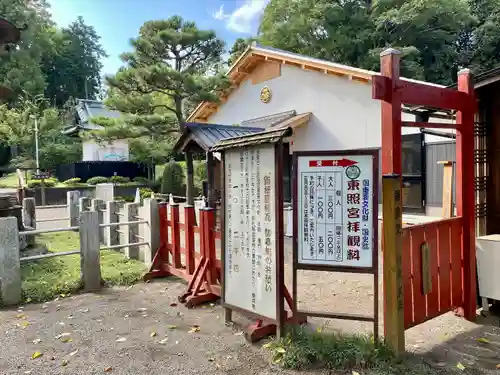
(336, 209)
(251, 233)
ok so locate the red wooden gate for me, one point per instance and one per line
(438, 259)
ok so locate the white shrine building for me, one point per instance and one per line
(328, 105)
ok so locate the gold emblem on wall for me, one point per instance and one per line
(265, 95)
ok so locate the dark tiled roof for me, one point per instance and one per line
(267, 136)
(208, 135)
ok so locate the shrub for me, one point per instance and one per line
(97, 180)
(50, 182)
(141, 180)
(126, 198)
(119, 180)
(173, 179)
(73, 181)
(145, 192)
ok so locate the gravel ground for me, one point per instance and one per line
(113, 331)
(444, 341)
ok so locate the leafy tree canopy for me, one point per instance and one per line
(172, 67)
(437, 37)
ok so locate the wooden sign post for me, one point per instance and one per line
(252, 223)
(335, 197)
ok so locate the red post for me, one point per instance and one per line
(465, 195)
(189, 219)
(201, 232)
(162, 212)
(176, 233)
(210, 245)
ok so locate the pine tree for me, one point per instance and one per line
(172, 64)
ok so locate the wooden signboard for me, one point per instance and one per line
(252, 243)
(335, 198)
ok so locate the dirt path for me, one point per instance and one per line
(95, 322)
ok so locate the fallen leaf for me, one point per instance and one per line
(152, 334)
(211, 359)
(173, 304)
(355, 373)
(67, 339)
(194, 329)
(280, 350)
(108, 369)
(482, 340)
(69, 317)
(64, 334)
(21, 316)
(27, 372)
(212, 304)
(62, 295)
(36, 355)
(73, 353)
(84, 310)
(267, 346)
(141, 309)
(64, 362)
(25, 324)
(129, 287)
(460, 366)
(171, 326)
(28, 300)
(163, 341)
(37, 341)
(121, 339)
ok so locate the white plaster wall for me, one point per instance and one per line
(344, 114)
(114, 151)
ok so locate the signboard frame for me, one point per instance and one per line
(374, 269)
(279, 240)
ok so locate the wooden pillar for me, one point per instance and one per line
(90, 253)
(391, 168)
(176, 235)
(465, 195)
(210, 180)
(190, 179)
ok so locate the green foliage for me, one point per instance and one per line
(164, 74)
(125, 198)
(17, 129)
(141, 180)
(239, 46)
(119, 180)
(173, 179)
(145, 192)
(200, 175)
(97, 180)
(48, 278)
(49, 182)
(301, 349)
(72, 66)
(437, 37)
(72, 181)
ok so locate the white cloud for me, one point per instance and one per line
(243, 18)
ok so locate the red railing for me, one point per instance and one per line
(443, 272)
(201, 269)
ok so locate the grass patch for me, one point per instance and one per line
(47, 278)
(9, 181)
(303, 349)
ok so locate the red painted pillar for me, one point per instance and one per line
(162, 212)
(210, 244)
(176, 235)
(391, 115)
(465, 195)
(189, 220)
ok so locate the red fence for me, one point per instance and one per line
(432, 274)
(201, 269)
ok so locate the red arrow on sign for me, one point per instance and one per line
(332, 163)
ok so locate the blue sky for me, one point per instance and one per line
(116, 21)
